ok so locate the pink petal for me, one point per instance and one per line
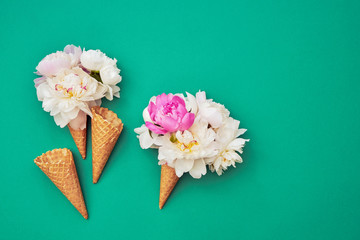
(161, 99)
(181, 109)
(154, 128)
(187, 121)
(170, 124)
(178, 100)
(152, 110)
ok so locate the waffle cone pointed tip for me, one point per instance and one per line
(59, 166)
(168, 181)
(79, 137)
(106, 128)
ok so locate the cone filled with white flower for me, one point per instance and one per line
(71, 82)
(190, 134)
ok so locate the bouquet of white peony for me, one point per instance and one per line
(73, 81)
(190, 134)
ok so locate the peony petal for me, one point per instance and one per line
(168, 123)
(146, 141)
(192, 104)
(240, 132)
(152, 110)
(187, 121)
(60, 121)
(183, 165)
(161, 99)
(71, 114)
(178, 100)
(198, 169)
(117, 94)
(43, 91)
(181, 111)
(79, 123)
(166, 155)
(146, 115)
(154, 128)
(109, 94)
(141, 129)
(49, 103)
(237, 144)
(39, 81)
(201, 97)
(217, 162)
(55, 110)
(213, 117)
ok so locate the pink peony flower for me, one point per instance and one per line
(169, 114)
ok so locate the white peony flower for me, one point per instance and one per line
(229, 144)
(214, 113)
(94, 60)
(110, 76)
(103, 69)
(55, 62)
(186, 151)
(70, 91)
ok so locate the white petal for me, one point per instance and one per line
(166, 154)
(236, 144)
(60, 121)
(71, 114)
(49, 103)
(218, 162)
(141, 129)
(241, 131)
(198, 169)
(79, 122)
(146, 141)
(146, 115)
(183, 165)
(109, 94)
(43, 91)
(117, 94)
(201, 97)
(192, 103)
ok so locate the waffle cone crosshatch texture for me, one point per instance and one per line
(106, 128)
(168, 180)
(79, 137)
(59, 166)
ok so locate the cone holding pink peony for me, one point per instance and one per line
(191, 133)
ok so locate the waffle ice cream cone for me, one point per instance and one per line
(79, 137)
(105, 130)
(168, 181)
(59, 166)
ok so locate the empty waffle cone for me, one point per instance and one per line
(105, 131)
(168, 181)
(59, 166)
(79, 137)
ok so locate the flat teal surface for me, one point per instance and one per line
(288, 70)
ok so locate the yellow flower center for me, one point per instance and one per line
(187, 147)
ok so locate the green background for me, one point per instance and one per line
(289, 70)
